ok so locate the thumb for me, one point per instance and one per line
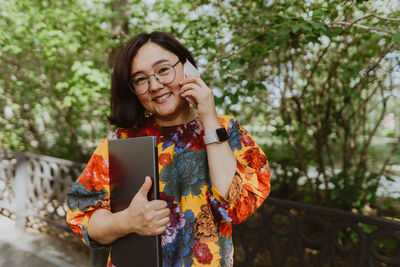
(144, 190)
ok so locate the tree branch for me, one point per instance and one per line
(385, 18)
(350, 24)
(373, 131)
(313, 70)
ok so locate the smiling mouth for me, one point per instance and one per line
(161, 98)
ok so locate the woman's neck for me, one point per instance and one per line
(185, 116)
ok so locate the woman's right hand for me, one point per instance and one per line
(146, 217)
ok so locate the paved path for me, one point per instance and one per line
(32, 248)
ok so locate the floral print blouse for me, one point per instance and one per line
(200, 228)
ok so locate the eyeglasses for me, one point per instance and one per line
(164, 74)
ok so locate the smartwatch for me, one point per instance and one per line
(217, 136)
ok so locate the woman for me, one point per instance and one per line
(212, 173)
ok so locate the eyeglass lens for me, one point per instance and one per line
(164, 74)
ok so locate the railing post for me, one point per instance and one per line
(98, 258)
(20, 190)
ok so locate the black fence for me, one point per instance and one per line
(286, 233)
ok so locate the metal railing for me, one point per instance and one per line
(287, 233)
(281, 233)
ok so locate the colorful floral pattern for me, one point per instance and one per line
(202, 253)
(77, 200)
(206, 228)
(234, 135)
(182, 137)
(200, 229)
(176, 220)
(187, 174)
(225, 250)
(180, 252)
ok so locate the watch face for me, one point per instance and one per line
(222, 134)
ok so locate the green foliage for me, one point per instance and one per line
(55, 77)
(396, 37)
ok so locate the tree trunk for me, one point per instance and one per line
(119, 24)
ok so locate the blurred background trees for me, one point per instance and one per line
(312, 80)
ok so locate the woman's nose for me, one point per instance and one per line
(154, 83)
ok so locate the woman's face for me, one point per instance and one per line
(164, 101)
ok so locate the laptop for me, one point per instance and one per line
(131, 160)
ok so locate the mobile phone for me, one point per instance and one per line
(188, 68)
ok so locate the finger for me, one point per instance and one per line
(160, 214)
(194, 94)
(191, 79)
(191, 101)
(190, 86)
(160, 230)
(158, 204)
(157, 222)
(162, 221)
(144, 190)
(160, 224)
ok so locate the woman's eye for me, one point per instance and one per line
(163, 70)
(139, 80)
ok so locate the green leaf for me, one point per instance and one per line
(334, 194)
(234, 98)
(366, 228)
(218, 100)
(261, 86)
(396, 37)
(317, 25)
(233, 65)
(390, 178)
(295, 28)
(305, 27)
(318, 13)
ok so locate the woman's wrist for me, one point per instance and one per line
(124, 225)
(210, 124)
(105, 227)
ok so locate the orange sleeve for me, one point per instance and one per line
(251, 184)
(91, 191)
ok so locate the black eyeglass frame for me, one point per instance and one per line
(148, 81)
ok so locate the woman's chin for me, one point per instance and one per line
(172, 114)
(165, 112)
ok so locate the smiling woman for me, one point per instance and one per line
(137, 61)
(163, 99)
(212, 173)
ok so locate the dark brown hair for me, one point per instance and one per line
(126, 110)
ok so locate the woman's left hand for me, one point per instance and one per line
(196, 89)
